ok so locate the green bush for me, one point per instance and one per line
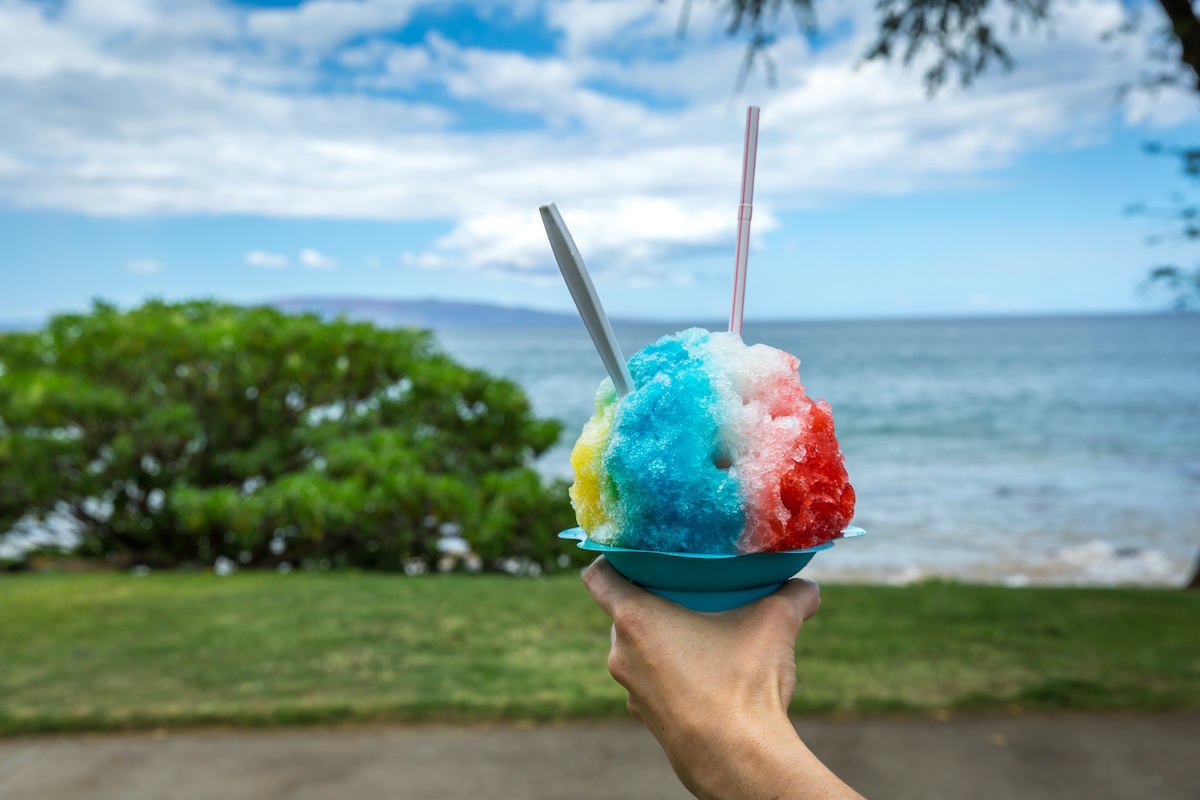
(178, 434)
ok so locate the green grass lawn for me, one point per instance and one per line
(111, 651)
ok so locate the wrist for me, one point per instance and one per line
(750, 756)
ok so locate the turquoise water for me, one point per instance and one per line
(1056, 450)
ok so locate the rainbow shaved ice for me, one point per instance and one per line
(718, 449)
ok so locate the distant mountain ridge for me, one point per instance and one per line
(447, 314)
(425, 313)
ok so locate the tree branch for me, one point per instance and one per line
(1187, 30)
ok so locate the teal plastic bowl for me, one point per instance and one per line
(706, 582)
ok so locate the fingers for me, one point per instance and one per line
(611, 591)
(609, 588)
(635, 710)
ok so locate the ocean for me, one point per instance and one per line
(1054, 451)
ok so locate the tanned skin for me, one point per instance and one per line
(714, 688)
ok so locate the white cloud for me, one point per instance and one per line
(143, 266)
(322, 24)
(261, 258)
(422, 261)
(316, 260)
(209, 108)
(588, 24)
(628, 239)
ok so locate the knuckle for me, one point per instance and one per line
(778, 609)
(618, 667)
(630, 621)
(591, 575)
(634, 709)
(811, 600)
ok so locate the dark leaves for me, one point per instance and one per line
(184, 432)
(958, 33)
(1181, 287)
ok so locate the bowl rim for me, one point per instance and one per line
(579, 535)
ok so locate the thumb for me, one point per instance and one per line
(610, 589)
(804, 597)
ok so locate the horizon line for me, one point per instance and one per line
(14, 325)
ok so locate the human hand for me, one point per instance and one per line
(714, 688)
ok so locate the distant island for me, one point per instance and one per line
(20, 325)
(444, 314)
(425, 313)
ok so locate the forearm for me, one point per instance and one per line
(714, 688)
(758, 760)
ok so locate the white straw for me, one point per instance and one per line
(745, 208)
(570, 263)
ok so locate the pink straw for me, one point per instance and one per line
(745, 208)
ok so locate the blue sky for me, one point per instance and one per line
(399, 149)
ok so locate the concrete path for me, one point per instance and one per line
(1138, 757)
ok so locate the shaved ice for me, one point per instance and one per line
(718, 449)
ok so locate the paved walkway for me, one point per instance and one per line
(1143, 757)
